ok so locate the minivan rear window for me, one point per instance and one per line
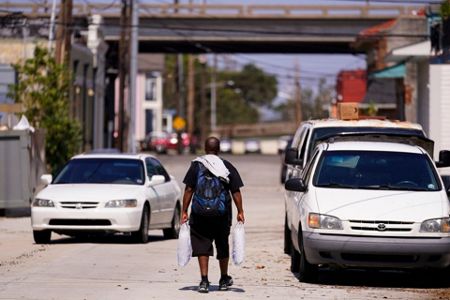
(319, 133)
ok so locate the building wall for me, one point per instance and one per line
(411, 84)
(440, 106)
(144, 104)
(351, 85)
(82, 100)
(423, 95)
(14, 50)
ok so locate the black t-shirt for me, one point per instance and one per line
(235, 183)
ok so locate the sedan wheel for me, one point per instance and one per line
(141, 236)
(42, 237)
(174, 230)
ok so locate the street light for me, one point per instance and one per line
(214, 85)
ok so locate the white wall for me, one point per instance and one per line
(142, 105)
(423, 95)
(439, 129)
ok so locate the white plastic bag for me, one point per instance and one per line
(184, 247)
(238, 243)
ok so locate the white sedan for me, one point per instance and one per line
(108, 193)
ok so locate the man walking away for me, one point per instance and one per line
(209, 182)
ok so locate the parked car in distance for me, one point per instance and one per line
(108, 193)
(367, 204)
(156, 141)
(104, 151)
(252, 146)
(225, 145)
(185, 141)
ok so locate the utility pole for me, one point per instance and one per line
(214, 96)
(123, 71)
(180, 84)
(298, 95)
(180, 75)
(203, 101)
(51, 31)
(191, 95)
(134, 49)
(64, 33)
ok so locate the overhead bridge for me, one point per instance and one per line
(233, 28)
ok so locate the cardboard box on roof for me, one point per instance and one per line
(348, 110)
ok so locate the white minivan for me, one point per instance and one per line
(368, 204)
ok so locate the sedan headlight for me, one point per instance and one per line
(122, 203)
(436, 225)
(319, 221)
(43, 203)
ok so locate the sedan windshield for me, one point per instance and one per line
(376, 170)
(102, 170)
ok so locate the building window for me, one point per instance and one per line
(148, 121)
(150, 86)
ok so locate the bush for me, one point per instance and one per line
(43, 88)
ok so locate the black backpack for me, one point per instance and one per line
(211, 196)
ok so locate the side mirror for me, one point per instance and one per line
(444, 159)
(46, 179)
(295, 185)
(291, 157)
(156, 179)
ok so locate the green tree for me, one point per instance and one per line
(258, 88)
(312, 103)
(232, 109)
(241, 93)
(43, 88)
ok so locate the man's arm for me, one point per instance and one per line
(188, 192)
(237, 198)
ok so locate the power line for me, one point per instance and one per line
(274, 33)
(394, 1)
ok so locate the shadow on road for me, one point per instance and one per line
(421, 279)
(103, 239)
(213, 288)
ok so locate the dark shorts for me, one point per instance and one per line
(205, 230)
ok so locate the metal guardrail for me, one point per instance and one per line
(34, 9)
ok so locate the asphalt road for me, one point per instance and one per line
(114, 268)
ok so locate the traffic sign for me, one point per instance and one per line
(179, 123)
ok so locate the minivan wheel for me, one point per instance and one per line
(42, 236)
(287, 238)
(295, 260)
(141, 236)
(174, 230)
(307, 272)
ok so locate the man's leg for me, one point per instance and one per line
(223, 251)
(203, 262)
(223, 263)
(204, 284)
